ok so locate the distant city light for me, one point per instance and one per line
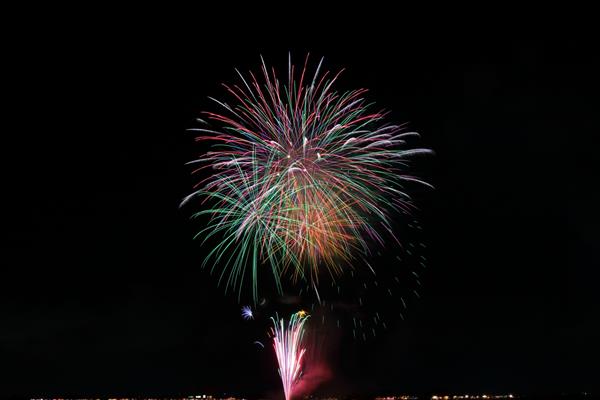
(312, 397)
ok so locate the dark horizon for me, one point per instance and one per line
(398, 396)
(103, 294)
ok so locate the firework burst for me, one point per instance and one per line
(303, 178)
(247, 313)
(287, 342)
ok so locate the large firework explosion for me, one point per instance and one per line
(304, 179)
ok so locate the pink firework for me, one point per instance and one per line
(287, 341)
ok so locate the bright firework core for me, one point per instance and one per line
(287, 341)
(304, 178)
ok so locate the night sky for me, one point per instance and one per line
(102, 290)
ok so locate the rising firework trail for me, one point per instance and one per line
(303, 179)
(287, 341)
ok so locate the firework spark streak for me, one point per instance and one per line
(287, 341)
(303, 178)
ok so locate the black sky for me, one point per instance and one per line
(102, 292)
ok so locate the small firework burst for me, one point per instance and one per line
(247, 313)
